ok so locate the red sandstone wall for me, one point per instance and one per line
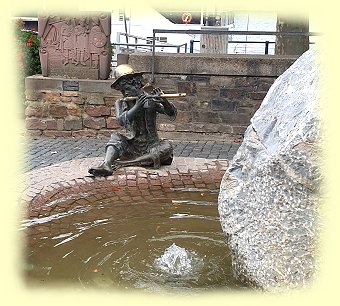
(216, 105)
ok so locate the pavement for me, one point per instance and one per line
(44, 151)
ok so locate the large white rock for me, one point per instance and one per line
(270, 194)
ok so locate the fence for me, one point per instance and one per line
(222, 31)
(145, 46)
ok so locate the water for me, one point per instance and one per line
(167, 241)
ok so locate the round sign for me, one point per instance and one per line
(186, 18)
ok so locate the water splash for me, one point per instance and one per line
(176, 261)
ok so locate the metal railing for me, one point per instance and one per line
(222, 31)
(266, 44)
(147, 45)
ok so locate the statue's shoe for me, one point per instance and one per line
(100, 171)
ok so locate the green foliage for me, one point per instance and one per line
(28, 63)
(28, 50)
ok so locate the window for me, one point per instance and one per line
(162, 40)
(121, 15)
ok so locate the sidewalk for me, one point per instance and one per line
(43, 151)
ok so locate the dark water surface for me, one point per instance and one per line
(103, 242)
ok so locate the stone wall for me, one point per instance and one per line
(61, 107)
(223, 93)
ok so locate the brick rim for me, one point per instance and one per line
(47, 185)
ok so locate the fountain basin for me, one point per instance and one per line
(116, 232)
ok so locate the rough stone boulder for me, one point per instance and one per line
(270, 195)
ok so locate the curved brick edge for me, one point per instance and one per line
(46, 185)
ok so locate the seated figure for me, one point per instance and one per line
(141, 145)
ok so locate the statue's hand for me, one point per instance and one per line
(141, 99)
(157, 91)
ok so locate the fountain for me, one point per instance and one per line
(177, 261)
(146, 229)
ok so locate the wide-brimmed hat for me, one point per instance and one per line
(123, 71)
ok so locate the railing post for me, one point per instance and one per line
(178, 49)
(191, 46)
(153, 57)
(118, 41)
(266, 49)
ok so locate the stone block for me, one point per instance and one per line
(36, 111)
(239, 129)
(35, 124)
(255, 104)
(265, 83)
(52, 96)
(74, 72)
(60, 124)
(219, 64)
(105, 133)
(166, 127)
(184, 117)
(97, 111)
(51, 124)
(232, 93)
(73, 123)
(187, 87)
(65, 99)
(207, 117)
(74, 110)
(223, 105)
(78, 100)
(57, 110)
(183, 104)
(111, 123)
(95, 99)
(96, 86)
(222, 81)
(53, 133)
(166, 83)
(207, 92)
(201, 79)
(110, 101)
(122, 58)
(246, 81)
(257, 95)
(40, 83)
(70, 94)
(94, 123)
(33, 95)
(202, 105)
(84, 133)
(235, 119)
(34, 133)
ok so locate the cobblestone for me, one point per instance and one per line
(45, 186)
(45, 151)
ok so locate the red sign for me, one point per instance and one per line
(186, 18)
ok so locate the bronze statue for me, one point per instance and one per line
(137, 112)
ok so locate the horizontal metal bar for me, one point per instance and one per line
(229, 32)
(250, 42)
(147, 45)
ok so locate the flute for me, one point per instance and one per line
(166, 96)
